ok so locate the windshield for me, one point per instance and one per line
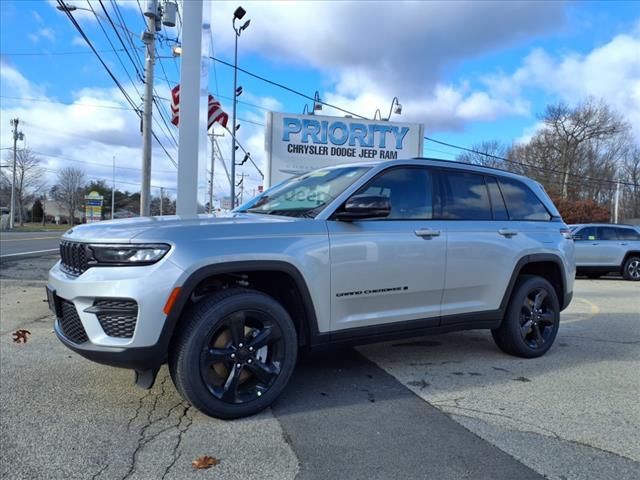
(305, 195)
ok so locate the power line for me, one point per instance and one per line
(46, 54)
(289, 89)
(46, 100)
(514, 162)
(113, 77)
(140, 76)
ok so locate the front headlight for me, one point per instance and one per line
(127, 254)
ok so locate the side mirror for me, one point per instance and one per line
(364, 206)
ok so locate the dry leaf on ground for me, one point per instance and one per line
(20, 336)
(205, 462)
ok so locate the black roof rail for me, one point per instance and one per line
(465, 163)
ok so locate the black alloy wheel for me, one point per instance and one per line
(532, 319)
(233, 353)
(537, 319)
(242, 358)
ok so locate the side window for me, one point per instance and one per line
(464, 196)
(628, 234)
(522, 203)
(607, 233)
(408, 190)
(586, 234)
(497, 202)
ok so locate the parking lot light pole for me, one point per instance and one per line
(237, 15)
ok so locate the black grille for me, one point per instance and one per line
(75, 257)
(117, 316)
(70, 323)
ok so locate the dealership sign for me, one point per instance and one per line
(301, 143)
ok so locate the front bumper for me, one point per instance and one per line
(149, 286)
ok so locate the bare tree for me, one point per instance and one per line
(69, 190)
(571, 133)
(630, 174)
(489, 154)
(29, 179)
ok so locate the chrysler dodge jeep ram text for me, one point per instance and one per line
(339, 256)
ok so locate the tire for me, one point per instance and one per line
(521, 333)
(631, 269)
(234, 353)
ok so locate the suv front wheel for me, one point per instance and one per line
(234, 353)
(631, 269)
(531, 322)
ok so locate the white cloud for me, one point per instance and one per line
(83, 133)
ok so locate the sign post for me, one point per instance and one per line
(296, 144)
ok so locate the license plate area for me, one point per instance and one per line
(54, 302)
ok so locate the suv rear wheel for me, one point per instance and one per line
(531, 322)
(631, 269)
(234, 353)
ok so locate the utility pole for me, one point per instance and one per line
(615, 210)
(214, 143)
(149, 39)
(113, 189)
(16, 136)
(211, 173)
(241, 185)
(161, 198)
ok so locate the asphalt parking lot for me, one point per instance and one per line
(449, 406)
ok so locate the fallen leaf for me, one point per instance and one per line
(205, 462)
(20, 336)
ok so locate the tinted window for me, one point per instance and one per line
(522, 203)
(586, 234)
(464, 196)
(497, 202)
(408, 190)
(628, 234)
(607, 233)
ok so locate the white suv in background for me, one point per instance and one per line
(605, 248)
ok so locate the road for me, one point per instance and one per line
(446, 407)
(23, 244)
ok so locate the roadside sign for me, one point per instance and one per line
(300, 143)
(93, 207)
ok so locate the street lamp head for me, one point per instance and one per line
(397, 110)
(317, 103)
(66, 7)
(245, 25)
(176, 50)
(239, 13)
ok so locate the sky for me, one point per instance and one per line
(468, 71)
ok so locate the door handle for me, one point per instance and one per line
(507, 232)
(624, 243)
(427, 232)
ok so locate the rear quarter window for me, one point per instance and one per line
(522, 203)
(628, 234)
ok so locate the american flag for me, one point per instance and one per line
(216, 114)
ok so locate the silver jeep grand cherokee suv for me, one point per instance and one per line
(339, 256)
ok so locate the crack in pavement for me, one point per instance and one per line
(553, 434)
(181, 433)
(24, 324)
(99, 472)
(604, 340)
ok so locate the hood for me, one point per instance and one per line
(165, 227)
